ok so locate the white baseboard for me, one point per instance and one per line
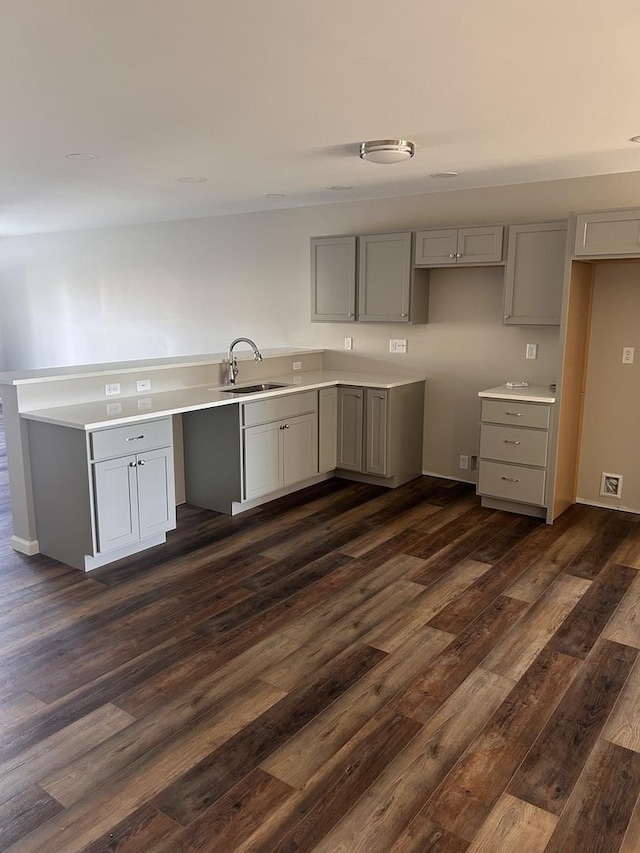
(25, 546)
(448, 477)
(601, 505)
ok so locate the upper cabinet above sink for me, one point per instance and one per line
(455, 246)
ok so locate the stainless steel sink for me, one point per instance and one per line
(251, 389)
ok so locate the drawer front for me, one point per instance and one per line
(118, 441)
(510, 444)
(511, 482)
(516, 413)
(277, 408)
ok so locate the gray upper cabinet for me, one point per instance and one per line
(384, 278)
(459, 246)
(534, 274)
(608, 233)
(333, 279)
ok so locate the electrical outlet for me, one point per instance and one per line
(348, 343)
(628, 354)
(397, 345)
(112, 388)
(143, 385)
(611, 485)
(464, 462)
(297, 365)
(297, 380)
(114, 408)
(474, 463)
(532, 351)
(144, 403)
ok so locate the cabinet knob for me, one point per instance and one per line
(349, 315)
(132, 464)
(507, 316)
(404, 315)
(380, 396)
(458, 254)
(452, 255)
(141, 462)
(285, 426)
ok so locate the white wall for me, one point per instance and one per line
(190, 286)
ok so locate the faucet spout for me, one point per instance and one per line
(231, 359)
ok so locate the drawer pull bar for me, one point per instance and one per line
(511, 441)
(511, 479)
(134, 438)
(514, 414)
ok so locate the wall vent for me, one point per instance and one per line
(611, 485)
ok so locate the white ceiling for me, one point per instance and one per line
(273, 96)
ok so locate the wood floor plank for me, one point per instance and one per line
(397, 795)
(303, 754)
(190, 795)
(423, 836)
(623, 724)
(13, 708)
(624, 626)
(547, 775)
(471, 790)
(631, 842)
(513, 655)
(598, 812)
(140, 832)
(378, 535)
(25, 812)
(514, 825)
(603, 546)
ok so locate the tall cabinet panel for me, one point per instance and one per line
(384, 278)
(333, 279)
(534, 274)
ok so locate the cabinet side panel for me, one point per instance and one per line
(212, 463)
(572, 387)
(62, 492)
(406, 428)
(327, 429)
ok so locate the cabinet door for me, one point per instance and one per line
(116, 502)
(480, 245)
(610, 233)
(436, 248)
(376, 431)
(300, 448)
(534, 275)
(156, 495)
(350, 410)
(384, 278)
(333, 279)
(262, 460)
(327, 429)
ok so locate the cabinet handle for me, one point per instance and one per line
(141, 462)
(507, 316)
(458, 254)
(285, 426)
(132, 464)
(514, 414)
(349, 315)
(510, 479)
(511, 441)
(404, 315)
(134, 438)
(452, 255)
(380, 396)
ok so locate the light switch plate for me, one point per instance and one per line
(398, 345)
(348, 343)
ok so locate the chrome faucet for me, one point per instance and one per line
(233, 364)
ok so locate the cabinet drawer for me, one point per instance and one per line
(510, 444)
(516, 413)
(512, 482)
(118, 441)
(277, 408)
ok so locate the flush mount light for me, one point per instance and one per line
(274, 195)
(340, 187)
(387, 150)
(193, 179)
(444, 174)
(635, 138)
(81, 155)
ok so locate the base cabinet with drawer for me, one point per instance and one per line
(514, 455)
(102, 495)
(380, 433)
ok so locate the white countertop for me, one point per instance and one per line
(99, 414)
(83, 371)
(531, 394)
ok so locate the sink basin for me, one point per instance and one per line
(251, 389)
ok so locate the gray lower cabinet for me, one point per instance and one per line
(534, 274)
(514, 455)
(333, 279)
(380, 433)
(280, 454)
(608, 233)
(96, 500)
(445, 247)
(327, 429)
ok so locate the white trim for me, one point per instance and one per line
(607, 506)
(25, 546)
(448, 477)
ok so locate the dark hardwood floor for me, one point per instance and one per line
(345, 669)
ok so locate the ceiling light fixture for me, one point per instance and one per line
(387, 150)
(81, 155)
(444, 174)
(193, 179)
(340, 187)
(274, 195)
(635, 139)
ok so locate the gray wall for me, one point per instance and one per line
(189, 286)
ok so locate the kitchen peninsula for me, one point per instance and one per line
(95, 479)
